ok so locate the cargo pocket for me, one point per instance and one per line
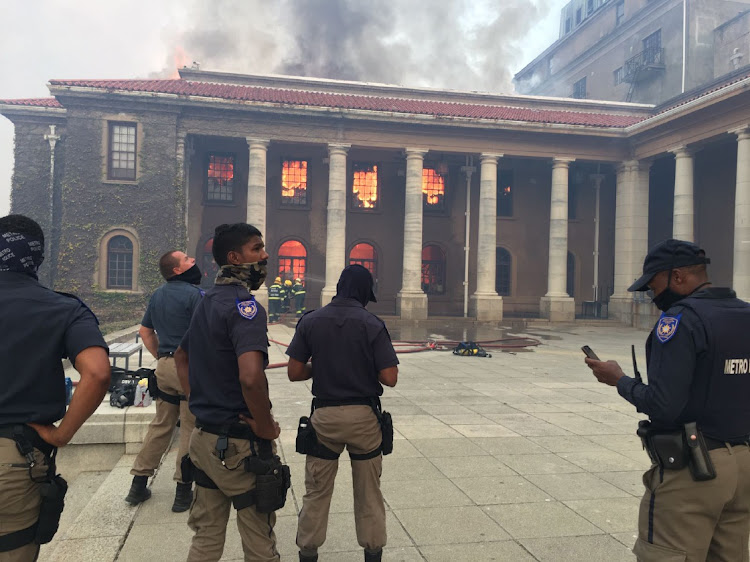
(651, 478)
(648, 552)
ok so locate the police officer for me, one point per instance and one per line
(39, 328)
(697, 500)
(274, 300)
(166, 320)
(298, 290)
(221, 363)
(352, 357)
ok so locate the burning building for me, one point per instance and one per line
(457, 202)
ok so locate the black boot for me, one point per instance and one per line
(373, 556)
(138, 492)
(183, 497)
(308, 558)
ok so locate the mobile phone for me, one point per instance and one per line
(590, 353)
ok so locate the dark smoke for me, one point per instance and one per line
(440, 43)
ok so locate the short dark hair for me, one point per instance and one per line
(167, 263)
(22, 225)
(231, 238)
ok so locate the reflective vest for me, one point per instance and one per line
(274, 292)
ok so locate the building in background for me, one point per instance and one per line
(562, 197)
(646, 51)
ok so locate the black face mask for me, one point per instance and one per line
(192, 276)
(667, 299)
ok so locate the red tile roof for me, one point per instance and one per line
(235, 92)
(34, 102)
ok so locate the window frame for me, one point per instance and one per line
(292, 260)
(442, 207)
(619, 13)
(443, 266)
(110, 141)
(498, 252)
(500, 183)
(377, 207)
(294, 207)
(619, 75)
(207, 161)
(577, 87)
(114, 252)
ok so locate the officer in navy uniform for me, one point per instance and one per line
(164, 324)
(352, 357)
(221, 362)
(38, 328)
(697, 500)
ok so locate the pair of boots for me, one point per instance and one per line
(369, 557)
(140, 493)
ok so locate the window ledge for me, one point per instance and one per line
(212, 203)
(500, 218)
(120, 182)
(122, 291)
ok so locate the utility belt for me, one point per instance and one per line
(163, 355)
(675, 450)
(307, 439)
(156, 392)
(272, 478)
(53, 488)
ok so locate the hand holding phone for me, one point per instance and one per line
(590, 353)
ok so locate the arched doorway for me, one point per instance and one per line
(292, 261)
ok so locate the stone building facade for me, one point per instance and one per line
(564, 197)
(646, 51)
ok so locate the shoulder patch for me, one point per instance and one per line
(248, 308)
(667, 327)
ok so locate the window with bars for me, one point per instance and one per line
(365, 255)
(294, 183)
(652, 48)
(122, 151)
(365, 186)
(433, 270)
(433, 190)
(503, 265)
(220, 178)
(292, 261)
(120, 263)
(505, 190)
(579, 89)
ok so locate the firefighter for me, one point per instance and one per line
(298, 290)
(286, 296)
(274, 300)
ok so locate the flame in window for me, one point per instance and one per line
(365, 187)
(433, 186)
(221, 169)
(293, 178)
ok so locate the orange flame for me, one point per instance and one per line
(365, 187)
(180, 59)
(221, 169)
(433, 186)
(293, 177)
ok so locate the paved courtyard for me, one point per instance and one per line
(522, 456)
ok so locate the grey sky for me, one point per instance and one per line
(459, 44)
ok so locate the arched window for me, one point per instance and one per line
(209, 268)
(571, 285)
(503, 263)
(119, 263)
(292, 260)
(433, 270)
(365, 255)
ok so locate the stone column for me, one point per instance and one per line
(336, 224)
(411, 301)
(486, 304)
(631, 234)
(181, 194)
(741, 273)
(682, 227)
(256, 197)
(557, 305)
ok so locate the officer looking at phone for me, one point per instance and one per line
(697, 500)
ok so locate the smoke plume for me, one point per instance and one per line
(441, 43)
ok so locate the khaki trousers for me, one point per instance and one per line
(681, 520)
(209, 513)
(19, 498)
(357, 428)
(161, 428)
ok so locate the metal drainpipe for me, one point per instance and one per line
(468, 169)
(52, 138)
(597, 211)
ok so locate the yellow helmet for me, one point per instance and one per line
(277, 280)
(287, 283)
(298, 280)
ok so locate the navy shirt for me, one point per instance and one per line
(348, 346)
(671, 366)
(38, 329)
(224, 327)
(169, 312)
